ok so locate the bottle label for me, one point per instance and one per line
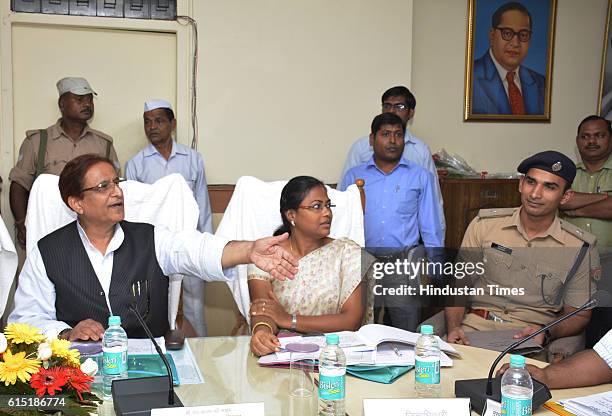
(331, 383)
(515, 407)
(427, 370)
(115, 362)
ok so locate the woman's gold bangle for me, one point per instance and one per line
(262, 323)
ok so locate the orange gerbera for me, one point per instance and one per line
(48, 381)
(79, 381)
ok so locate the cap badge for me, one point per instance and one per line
(556, 167)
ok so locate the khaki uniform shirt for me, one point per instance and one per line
(60, 150)
(539, 266)
(595, 182)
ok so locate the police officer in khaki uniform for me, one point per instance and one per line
(536, 266)
(48, 150)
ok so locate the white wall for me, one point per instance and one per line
(286, 87)
(438, 68)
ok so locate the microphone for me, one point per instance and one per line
(137, 396)
(473, 389)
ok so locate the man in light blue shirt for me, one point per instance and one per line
(401, 102)
(401, 209)
(164, 156)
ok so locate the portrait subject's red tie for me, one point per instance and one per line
(514, 96)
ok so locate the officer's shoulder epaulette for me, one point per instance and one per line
(578, 232)
(495, 212)
(30, 133)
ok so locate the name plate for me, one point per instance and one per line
(241, 409)
(492, 408)
(416, 407)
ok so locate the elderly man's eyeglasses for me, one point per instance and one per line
(318, 207)
(105, 186)
(507, 34)
(398, 106)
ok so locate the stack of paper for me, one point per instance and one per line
(594, 405)
(371, 345)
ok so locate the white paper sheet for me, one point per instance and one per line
(186, 366)
(145, 346)
(416, 407)
(242, 409)
(593, 405)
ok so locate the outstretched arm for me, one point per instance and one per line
(585, 368)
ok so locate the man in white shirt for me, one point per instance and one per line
(587, 368)
(164, 156)
(401, 102)
(100, 265)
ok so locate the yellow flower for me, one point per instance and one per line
(23, 333)
(17, 366)
(61, 349)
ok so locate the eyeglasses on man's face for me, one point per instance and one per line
(508, 34)
(106, 186)
(318, 207)
(398, 106)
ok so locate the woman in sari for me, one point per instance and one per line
(327, 294)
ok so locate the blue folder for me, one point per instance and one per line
(150, 365)
(378, 374)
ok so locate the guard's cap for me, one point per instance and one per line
(75, 85)
(155, 104)
(550, 161)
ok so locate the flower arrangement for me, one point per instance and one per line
(35, 364)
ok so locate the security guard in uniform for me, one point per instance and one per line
(536, 266)
(48, 150)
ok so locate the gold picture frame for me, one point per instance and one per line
(528, 54)
(604, 101)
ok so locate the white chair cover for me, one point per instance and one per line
(168, 202)
(253, 212)
(8, 264)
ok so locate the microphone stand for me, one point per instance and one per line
(159, 352)
(137, 396)
(590, 303)
(473, 389)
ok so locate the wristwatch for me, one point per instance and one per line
(294, 322)
(64, 332)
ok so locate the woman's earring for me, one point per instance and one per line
(293, 223)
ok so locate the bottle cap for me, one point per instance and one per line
(517, 361)
(114, 320)
(332, 339)
(426, 329)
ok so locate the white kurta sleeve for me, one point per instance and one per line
(191, 253)
(35, 296)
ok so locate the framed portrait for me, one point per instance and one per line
(604, 107)
(509, 58)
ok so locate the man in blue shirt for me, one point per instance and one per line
(401, 102)
(162, 157)
(401, 209)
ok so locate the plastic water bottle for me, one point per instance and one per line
(516, 388)
(114, 355)
(332, 372)
(427, 364)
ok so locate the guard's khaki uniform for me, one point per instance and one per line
(538, 266)
(60, 150)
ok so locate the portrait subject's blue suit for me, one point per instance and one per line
(489, 95)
